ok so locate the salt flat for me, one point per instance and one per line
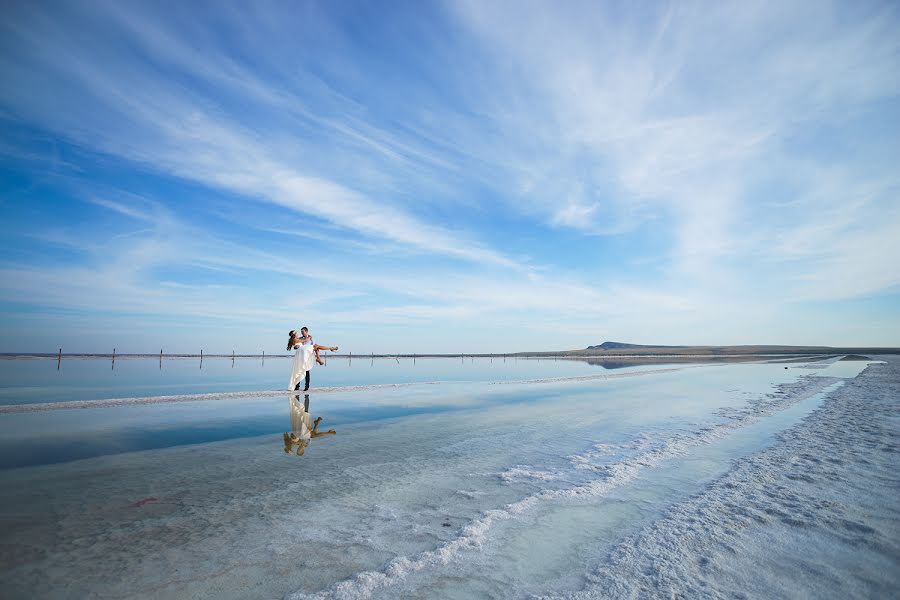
(565, 481)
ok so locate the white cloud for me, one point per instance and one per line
(183, 133)
(677, 115)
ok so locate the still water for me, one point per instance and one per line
(39, 380)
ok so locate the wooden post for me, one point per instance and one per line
(201, 358)
(373, 359)
(414, 358)
(59, 359)
(160, 359)
(113, 360)
(350, 360)
(232, 358)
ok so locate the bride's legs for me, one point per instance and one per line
(317, 347)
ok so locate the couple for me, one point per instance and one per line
(305, 349)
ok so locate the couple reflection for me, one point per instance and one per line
(303, 428)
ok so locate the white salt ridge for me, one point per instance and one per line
(649, 453)
(814, 515)
(143, 400)
(470, 494)
(820, 364)
(524, 472)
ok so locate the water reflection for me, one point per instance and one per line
(628, 361)
(303, 428)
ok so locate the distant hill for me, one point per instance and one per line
(610, 348)
(623, 346)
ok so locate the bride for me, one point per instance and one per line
(303, 361)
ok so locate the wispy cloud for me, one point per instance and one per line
(185, 132)
(676, 114)
(124, 209)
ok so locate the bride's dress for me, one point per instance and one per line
(303, 362)
(301, 420)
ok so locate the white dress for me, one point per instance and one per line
(303, 362)
(301, 420)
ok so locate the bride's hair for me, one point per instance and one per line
(291, 334)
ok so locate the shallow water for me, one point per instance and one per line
(38, 380)
(476, 487)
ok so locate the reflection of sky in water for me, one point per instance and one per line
(29, 381)
(411, 470)
(93, 432)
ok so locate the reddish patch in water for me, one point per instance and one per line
(140, 503)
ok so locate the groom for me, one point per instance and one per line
(306, 386)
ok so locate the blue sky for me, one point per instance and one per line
(448, 177)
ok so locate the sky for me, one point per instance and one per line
(453, 176)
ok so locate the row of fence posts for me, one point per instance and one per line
(113, 362)
(325, 359)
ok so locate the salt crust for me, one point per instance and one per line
(645, 452)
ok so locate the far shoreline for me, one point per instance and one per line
(592, 354)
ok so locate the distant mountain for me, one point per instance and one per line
(622, 349)
(610, 349)
(623, 345)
